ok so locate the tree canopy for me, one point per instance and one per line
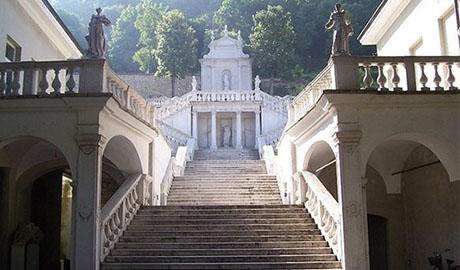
(311, 45)
(272, 40)
(176, 48)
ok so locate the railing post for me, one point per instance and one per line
(27, 85)
(93, 76)
(409, 65)
(345, 73)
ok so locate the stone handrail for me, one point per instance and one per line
(274, 103)
(217, 96)
(71, 78)
(129, 98)
(267, 154)
(307, 99)
(323, 208)
(271, 137)
(119, 211)
(411, 74)
(166, 182)
(166, 107)
(175, 137)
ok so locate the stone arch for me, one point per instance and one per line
(35, 167)
(320, 160)
(439, 146)
(409, 184)
(122, 152)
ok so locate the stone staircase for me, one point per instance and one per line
(223, 214)
(226, 154)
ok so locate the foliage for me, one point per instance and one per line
(272, 40)
(149, 16)
(75, 26)
(176, 48)
(123, 42)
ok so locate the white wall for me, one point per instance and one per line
(35, 41)
(425, 27)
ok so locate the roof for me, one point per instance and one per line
(62, 24)
(372, 19)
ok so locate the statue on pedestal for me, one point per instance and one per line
(343, 30)
(226, 136)
(257, 83)
(194, 83)
(97, 45)
(226, 81)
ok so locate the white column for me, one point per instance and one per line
(238, 130)
(213, 130)
(257, 127)
(195, 128)
(86, 206)
(352, 201)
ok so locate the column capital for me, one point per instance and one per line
(88, 143)
(347, 137)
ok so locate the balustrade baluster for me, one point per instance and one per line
(56, 84)
(2, 83)
(423, 78)
(15, 85)
(367, 80)
(71, 80)
(381, 79)
(396, 79)
(437, 78)
(43, 85)
(451, 78)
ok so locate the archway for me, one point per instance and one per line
(34, 174)
(320, 160)
(409, 186)
(120, 159)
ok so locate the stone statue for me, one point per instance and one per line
(194, 83)
(97, 45)
(342, 31)
(225, 32)
(257, 83)
(226, 136)
(240, 38)
(226, 81)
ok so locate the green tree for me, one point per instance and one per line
(272, 41)
(123, 43)
(149, 15)
(176, 49)
(237, 14)
(75, 26)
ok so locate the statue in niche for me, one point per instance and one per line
(226, 136)
(226, 81)
(97, 45)
(194, 83)
(343, 30)
(257, 83)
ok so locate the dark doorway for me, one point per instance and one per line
(378, 246)
(46, 214)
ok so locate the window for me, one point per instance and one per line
(12, 54)
(13, 50)
(415, 48)
(449, 33)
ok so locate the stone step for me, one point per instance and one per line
(145, 233)
(179, 227)
(222, 258)
(199, 201)
(220, 245)
(211, 252)
(212, 239)
(331, 265)
(236, 215)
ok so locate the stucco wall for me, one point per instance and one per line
(15, 22)
(150, 86)
(431, 208)
(427, 24)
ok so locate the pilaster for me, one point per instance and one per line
(352, 200)
(86, 206)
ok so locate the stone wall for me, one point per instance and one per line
(151, 86)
